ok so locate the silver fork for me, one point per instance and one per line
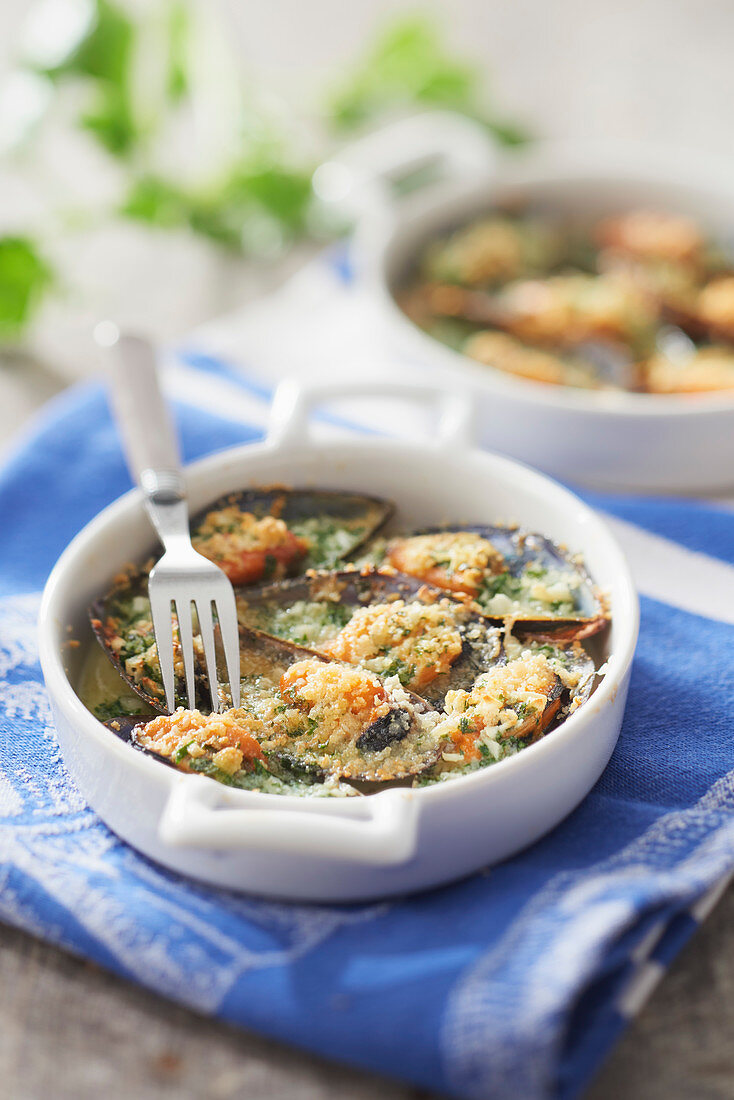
(182, 577)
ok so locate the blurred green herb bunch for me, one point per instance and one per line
(141, 115)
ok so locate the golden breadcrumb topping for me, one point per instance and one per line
(458, 560)
(497, 349)
(143, 668)
(340, 700)
(506, 701)
(716, 302)
(565, 309)
(225, 534)
(187, 734)
(484, 252)
(421, 639)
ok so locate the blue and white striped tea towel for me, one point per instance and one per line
(512, 983)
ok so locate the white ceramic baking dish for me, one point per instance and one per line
(606, 440)
(341, 849)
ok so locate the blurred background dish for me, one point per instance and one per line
(626, 337)
(640, 301)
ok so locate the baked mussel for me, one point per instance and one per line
(265, 534)
(123, 624)
(510, 574)
(549, 298)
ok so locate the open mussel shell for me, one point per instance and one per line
(123, 625)
(529, 560)
(575, 667)
(131, 728)
(324, 741)
(331, 524)
(313, 609)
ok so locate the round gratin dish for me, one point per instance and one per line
(605, 439)
(395, 841)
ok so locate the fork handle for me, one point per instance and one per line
(147, 432)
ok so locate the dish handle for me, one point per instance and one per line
(363, 177)
(384, 833)
(294, 402)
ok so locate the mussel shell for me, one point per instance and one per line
(547, 718)
(102, 610)
(126, 726)
(521, 548)
(359, 514)
(265, 655)
(574, 658)
(481, 638)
